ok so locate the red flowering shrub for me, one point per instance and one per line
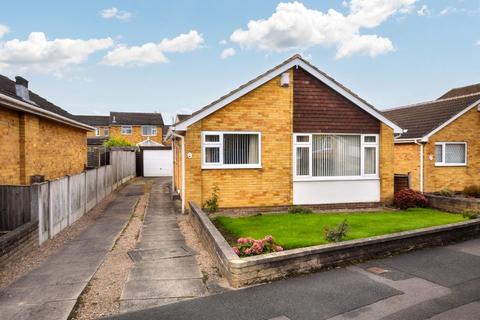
(250, 247)
(408, 198)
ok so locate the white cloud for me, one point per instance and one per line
(149, 53)
(222, 42)
(115, 13)
(295, 27)
(229, 52)
(39, 54)
(4, 30)
(477, 43)
(451, 10)
(424, 11)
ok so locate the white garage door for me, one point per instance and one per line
(157, 163)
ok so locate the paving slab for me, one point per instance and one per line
(470, 247)
(439, 265)
(51, 290)
(165, 270)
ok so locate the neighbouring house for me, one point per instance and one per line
(441, 146)
(40, 139)
(292, 136)
(139, 128)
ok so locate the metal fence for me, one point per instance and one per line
(59, 203)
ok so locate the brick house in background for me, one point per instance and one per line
(135, 127)
(441, 147)
(292, 136)
(38, 137)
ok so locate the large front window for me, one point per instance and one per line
(326, 156)
(451, 154)
(231, 149)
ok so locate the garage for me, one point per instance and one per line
(157, 162)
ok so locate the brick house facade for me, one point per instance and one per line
(292, 136)
(440, 149)
(39, 137)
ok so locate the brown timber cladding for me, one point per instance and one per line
(318, 108)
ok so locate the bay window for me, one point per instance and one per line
(330, 156)
(451, 154)
(231, 149)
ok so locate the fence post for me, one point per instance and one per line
(86, 191)
(69, 200)
(96, 186)
(50, 211)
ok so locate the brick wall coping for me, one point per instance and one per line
(266, 267)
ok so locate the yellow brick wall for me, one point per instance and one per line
(10, 149)
(407, 160)
(386, 165)
(464, 129)
(267, 109)
(136, 136)
(177, 165)
(36, 146)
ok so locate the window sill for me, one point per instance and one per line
(450, 164)
(149, 135)
(230, 167)
(307, 179)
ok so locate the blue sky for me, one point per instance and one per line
(83, 55)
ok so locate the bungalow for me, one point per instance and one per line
(39, 138)
(138, 128)
(440, 147)
(291, 136)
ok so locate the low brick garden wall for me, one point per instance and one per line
(18, 242)
(453, 204)
(245, 271)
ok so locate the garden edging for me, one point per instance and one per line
(267, 267)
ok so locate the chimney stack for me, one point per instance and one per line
(21, 88)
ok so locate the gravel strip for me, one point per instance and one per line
(102, 295)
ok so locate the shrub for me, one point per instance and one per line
(299, 209)
(246, 247)
(447, 192)
(212, 203)
(471, 215)
(116, 142)
(408, 198)
(338, 234)
(472, 191)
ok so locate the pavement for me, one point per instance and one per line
(436, 283)
(165, 269)
(51, 290)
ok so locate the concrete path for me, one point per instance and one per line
(165, 268)
(51, 290)
(437, 284)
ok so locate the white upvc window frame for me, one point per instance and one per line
(153, 128)
(443, 163)
(363, 145)
(126, 127)
(219, 144)
(97, 131)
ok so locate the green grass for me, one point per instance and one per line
(303, 230)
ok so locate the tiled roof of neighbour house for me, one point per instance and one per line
(7, 87)
(422, 118)
(294, 58)
(136, 118)
(94, 120)
(183, 117)
(461, 91)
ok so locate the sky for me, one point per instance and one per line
(92, 57)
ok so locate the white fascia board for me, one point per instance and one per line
(296, 62)
(27, 107)
(446, 123)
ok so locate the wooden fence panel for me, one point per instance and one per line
(14, 207)
(77, 196)
(59, 208)
(91, 186)
(42, 203)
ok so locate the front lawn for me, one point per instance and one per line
(303, 230)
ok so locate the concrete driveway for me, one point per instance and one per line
(437, 283)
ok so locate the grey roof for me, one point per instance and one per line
(7, 87)
(183, 117)
(94, 120)
(461, 91)
(136, 118)
(296, 56)
(422, 118)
